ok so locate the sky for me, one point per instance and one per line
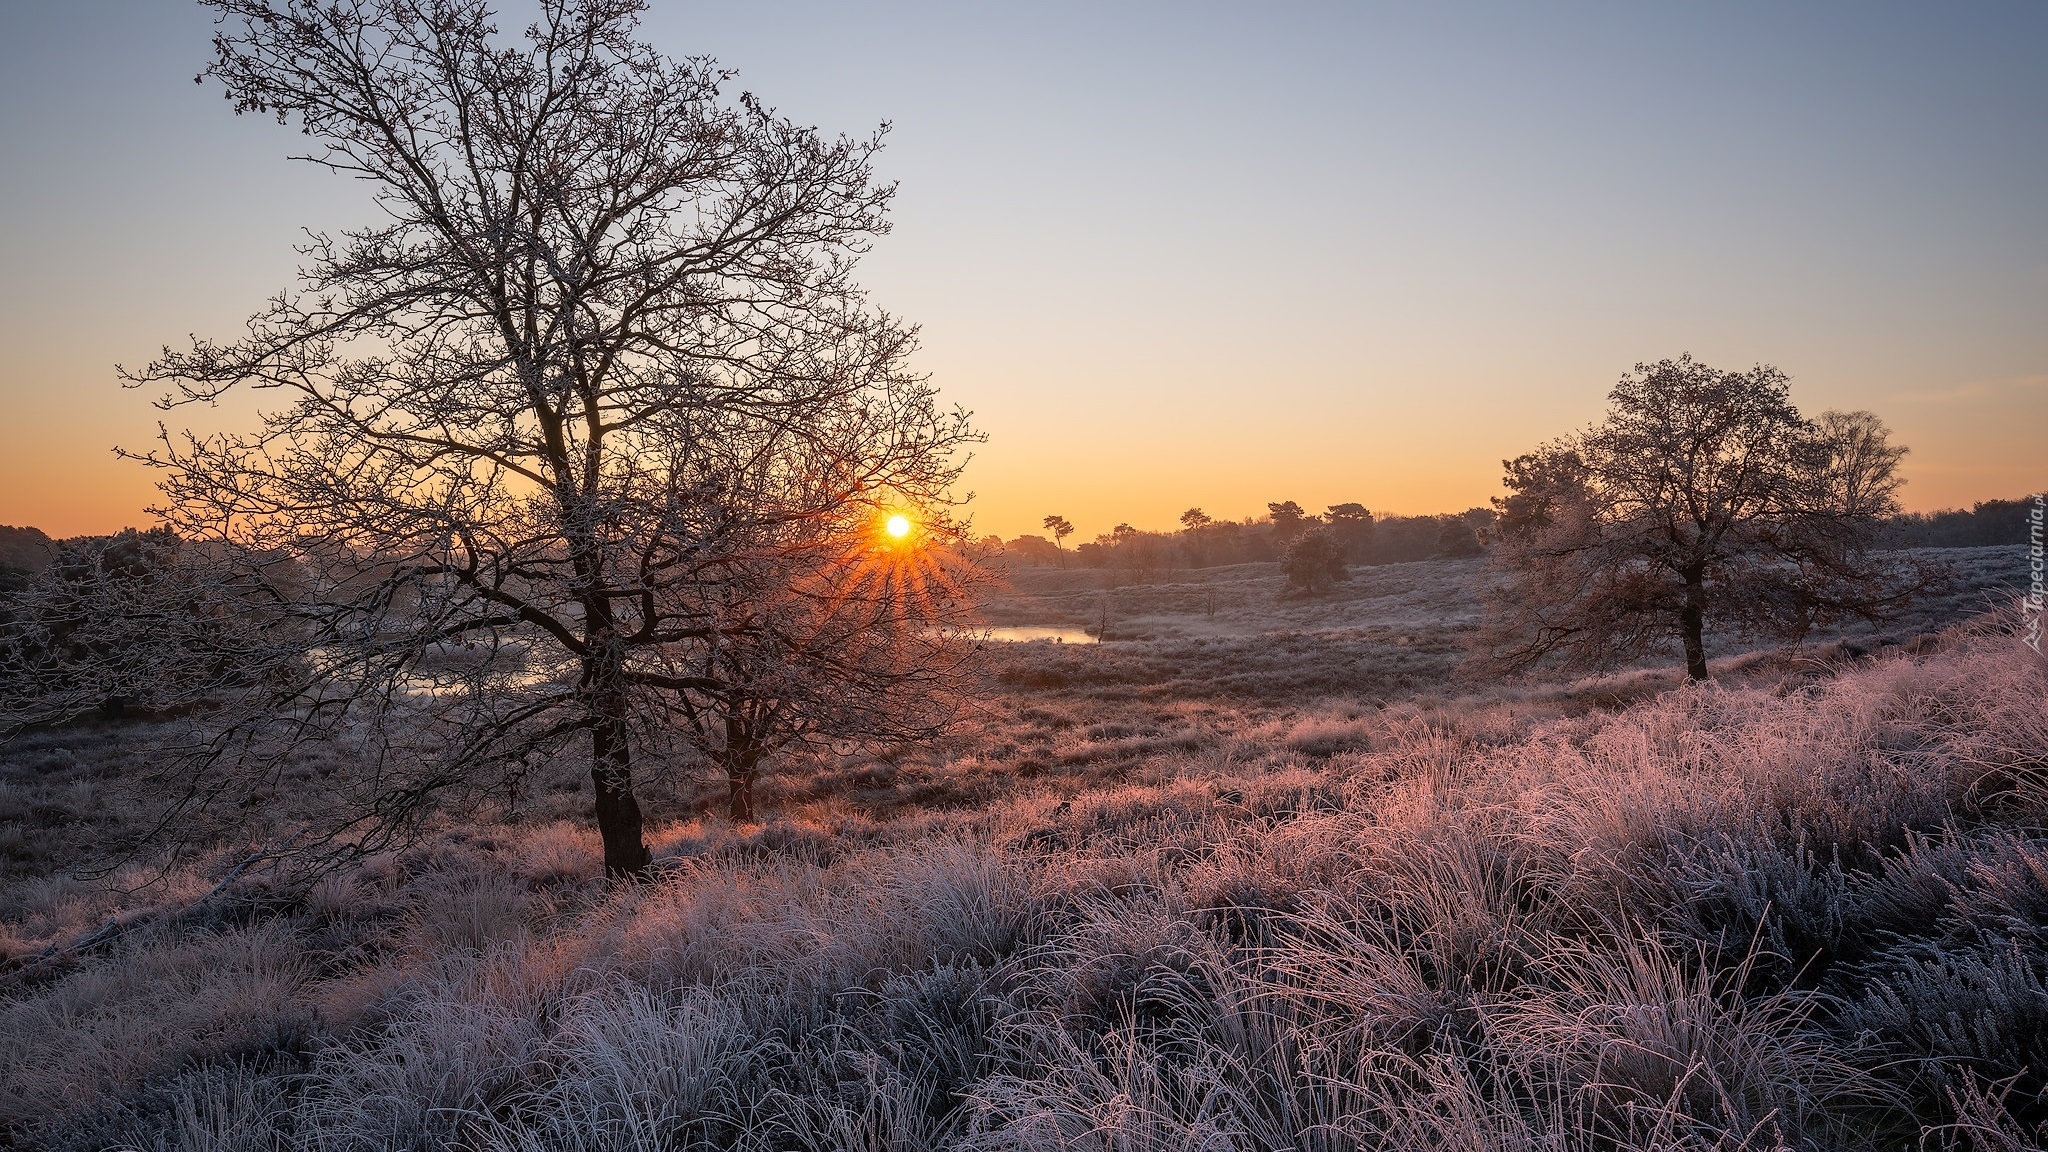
(1188, 254)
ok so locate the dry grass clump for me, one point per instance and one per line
(1808, 914)
(149, 1009)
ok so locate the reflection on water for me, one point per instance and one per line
(446, 670)
(1057, 635)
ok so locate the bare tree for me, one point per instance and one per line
(593, 432)
(856, 651)
(1861, 477)
(1704, 496)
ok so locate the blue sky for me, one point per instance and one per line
(1194, 254)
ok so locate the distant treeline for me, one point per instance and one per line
(1366, 538)
(1202, 542)
(1988, 522)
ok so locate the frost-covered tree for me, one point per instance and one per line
(591, 442)
(1703, 496)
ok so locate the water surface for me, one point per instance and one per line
(1056, 635)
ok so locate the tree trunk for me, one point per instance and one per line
(742, 761)
(618, 812)
(740, 782)
(611, 753)
(1691, 626)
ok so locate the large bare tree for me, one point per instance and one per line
(592, 438)
(1704, 496)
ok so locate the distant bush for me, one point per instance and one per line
(23, 553)
(24, 550)
(1455, 538)
(1034, 550)
(1313, 562)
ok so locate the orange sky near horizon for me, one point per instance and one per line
(1196, 256)
(1130, 468)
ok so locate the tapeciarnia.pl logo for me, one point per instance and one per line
(2037, 582)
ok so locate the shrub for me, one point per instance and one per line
(1313, 562)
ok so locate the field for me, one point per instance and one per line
(1258, 872)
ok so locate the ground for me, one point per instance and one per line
(1259, 872)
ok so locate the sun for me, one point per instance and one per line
(898, 526)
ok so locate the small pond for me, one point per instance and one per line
(1056, 635)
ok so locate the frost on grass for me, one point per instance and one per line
(1808, 914)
